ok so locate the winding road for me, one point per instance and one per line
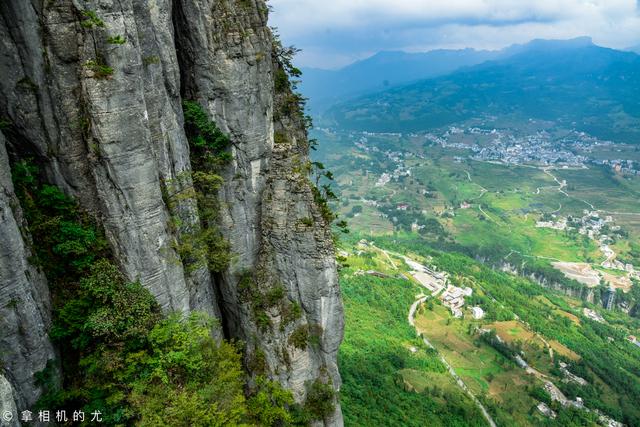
(411, 318)
(452, 372)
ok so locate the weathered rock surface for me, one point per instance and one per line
(105, 121)
(24, 300)
(108, 141)
(7, 404)
(227, 56)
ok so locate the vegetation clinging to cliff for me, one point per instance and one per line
(200, 244)
(118, 354)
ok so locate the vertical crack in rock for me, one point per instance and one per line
(109, 140)
(227, 62)
(24, 301)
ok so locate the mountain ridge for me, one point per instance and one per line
(572, 81)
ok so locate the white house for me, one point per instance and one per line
(478, 313)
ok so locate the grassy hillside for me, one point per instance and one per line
(384, 382)
(524, 314)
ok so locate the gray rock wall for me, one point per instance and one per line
(7, 404)
(110, 142)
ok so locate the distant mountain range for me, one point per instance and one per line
(382, 71)
(573, 82)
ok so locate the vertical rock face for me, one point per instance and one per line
(227, 55)
(24, 302)
(92, 91)
(111, 140)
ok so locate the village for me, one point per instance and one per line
(503, 146)
(436, 282)
(573, 150)
(602, 231)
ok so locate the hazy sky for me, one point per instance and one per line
(333, 33)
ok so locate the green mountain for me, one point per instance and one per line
(574, 83)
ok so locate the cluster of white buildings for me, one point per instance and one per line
(556, 395)
(453, 298)
(399, 171)
(429, 278)
(540, 147)
(384, 179)
(593, 315)
(560, 224)
(537, 148)
(623, 166)
(570, 377)
(591, 224)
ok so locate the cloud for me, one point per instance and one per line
(335, 32)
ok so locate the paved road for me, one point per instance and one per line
(461, 384)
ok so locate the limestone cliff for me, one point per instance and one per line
(92, 91)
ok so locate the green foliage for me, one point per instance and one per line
(275, 295)
(137, 368)
(101, 325)
(150, 60)
(257, 362)
(320, 401)
(291, 312)
(67, 240)
(203, 247)
(27, 83)
(91, 20)
(306, 221)
(323, 195)
(280, 138)
(504, 348)
(263, 297)
(116, 39)
(285, 55)
(207, 142)
(105, 309)
(300, 337)
(99, 70)
(374, 352)
(315, 334)
(281, 81)
(200, 244)
(187, 378)
(247, 4)
(269, 404)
